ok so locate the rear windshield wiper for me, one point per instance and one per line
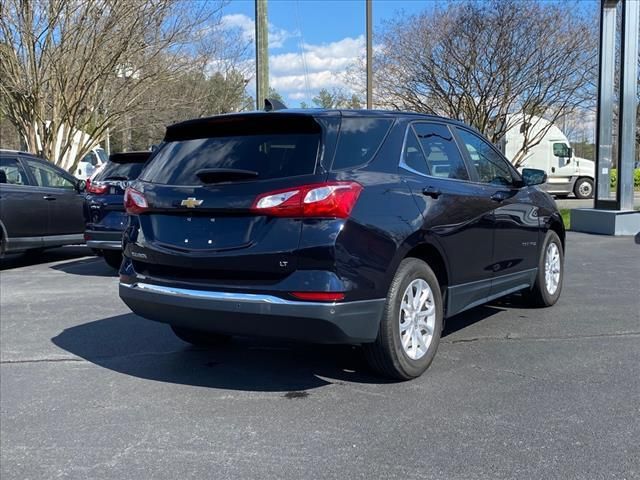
(214, 175)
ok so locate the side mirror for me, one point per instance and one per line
(81, 186)
(533, 176)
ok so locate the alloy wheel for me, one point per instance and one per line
(417, 319)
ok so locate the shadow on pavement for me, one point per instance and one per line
(17, 260)
(133, 346)
(91, 267)
(468, 318)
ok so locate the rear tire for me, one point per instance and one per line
(583, 189)
(113, 258)
(199, 338)
(548, 285)
(406, 345)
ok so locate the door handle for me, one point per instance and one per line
(49, 197)
(431, 192)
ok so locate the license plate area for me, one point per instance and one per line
(204, 232)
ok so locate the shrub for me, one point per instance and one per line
(614, 178)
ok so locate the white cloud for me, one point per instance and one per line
(296, 78)
(247, 27)
(325, 67)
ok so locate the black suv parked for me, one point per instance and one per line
(41, 205)
(334, 226)
(104, 211)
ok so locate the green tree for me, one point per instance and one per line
(336, 98)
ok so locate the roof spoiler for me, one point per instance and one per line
(271, 104)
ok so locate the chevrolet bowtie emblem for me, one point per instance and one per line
(191, 202)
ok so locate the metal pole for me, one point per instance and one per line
(369, 56)
(604, 133)
(262, 54)
(628, 101)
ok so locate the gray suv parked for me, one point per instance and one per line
(41, 205)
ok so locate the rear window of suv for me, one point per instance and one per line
(271, 156)
(119, 171)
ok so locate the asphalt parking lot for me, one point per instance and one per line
(89, 390)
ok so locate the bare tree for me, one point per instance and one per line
(70, 69)
(481, 62)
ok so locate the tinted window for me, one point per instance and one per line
(412, 157)
(440, 149)
(47, 176)
(119, 171)
(90, 158)
(359, 140)
(560, 150)
(11, 172)
(271, 156)
(490, 165)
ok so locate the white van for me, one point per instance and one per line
(566, 173)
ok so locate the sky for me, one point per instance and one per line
(330, 34)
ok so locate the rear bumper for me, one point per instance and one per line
(256, 314)
(103, 240)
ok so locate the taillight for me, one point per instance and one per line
(134, 201)
(328, 200)
(319, 296)
(96, 188)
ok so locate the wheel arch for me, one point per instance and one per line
(3, 237)
(433, 257)
(557, 225)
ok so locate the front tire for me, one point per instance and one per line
(411, 324)
(583, 189)
(548, 285)
(198, 338)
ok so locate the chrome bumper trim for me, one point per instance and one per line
(104, 244)
(230, 297)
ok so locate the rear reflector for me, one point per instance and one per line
(319, 296)
(134, 202)
(325, 200)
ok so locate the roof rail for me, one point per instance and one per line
(271, 104)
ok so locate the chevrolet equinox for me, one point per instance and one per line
(358, 227)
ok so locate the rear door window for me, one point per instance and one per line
(359, 140)
(270, 156)
(412, 156)
(443, 157)
(11, 172)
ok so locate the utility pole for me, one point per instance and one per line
(369, 56)
(262, 54)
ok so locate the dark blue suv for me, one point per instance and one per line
(105, 216)
(359, 227)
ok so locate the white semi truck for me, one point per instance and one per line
(566, 173)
